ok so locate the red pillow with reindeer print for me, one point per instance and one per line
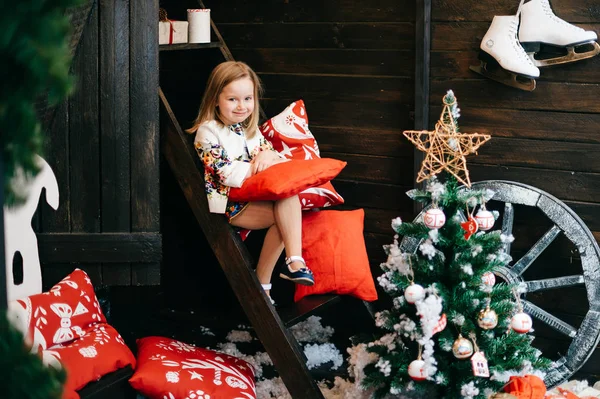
(290, 135)
(60, 315)
(167, 368)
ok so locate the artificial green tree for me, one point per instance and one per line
(36, 58)
(449, 316)
(22, 373)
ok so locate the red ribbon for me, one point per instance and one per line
(171, 31)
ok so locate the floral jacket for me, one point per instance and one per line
(226, 154)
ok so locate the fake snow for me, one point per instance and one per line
(321, 354)
(239, 336)
(311, 330)
(469, 391)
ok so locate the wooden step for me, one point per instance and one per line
(114, 385)
(189, 46)
(307, 306)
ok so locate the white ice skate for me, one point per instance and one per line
(502, 57)
(544, 34)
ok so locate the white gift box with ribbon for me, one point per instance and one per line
(172, 32)
(199, 25)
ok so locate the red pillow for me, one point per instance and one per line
(286, 179)
(172, 369)
(289, 134)
(333, 247)
(61, 314)
(99, 352)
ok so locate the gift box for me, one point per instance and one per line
(172, 32)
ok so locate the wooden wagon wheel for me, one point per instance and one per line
(584, 339)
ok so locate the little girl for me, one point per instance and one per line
(232, 149)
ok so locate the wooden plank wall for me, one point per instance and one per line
(353, 65)
(547, 138)
(103, 148)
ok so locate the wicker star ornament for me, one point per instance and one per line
(445, 148)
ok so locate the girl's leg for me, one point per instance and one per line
(259, 215)
(288, 217)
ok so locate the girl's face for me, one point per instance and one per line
(236, 101)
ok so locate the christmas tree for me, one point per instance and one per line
(22, 373)
(452, 331)
(35, 67)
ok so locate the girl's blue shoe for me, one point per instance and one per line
(303, 276)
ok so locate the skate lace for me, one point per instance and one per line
(512, 32)
(548, 11)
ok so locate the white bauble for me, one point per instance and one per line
(488, 279)
(521, 323)
(414, 293)
(434, 218)
(416, 370)
(485, 219)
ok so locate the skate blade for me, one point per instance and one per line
(571, 56)
(505, 77)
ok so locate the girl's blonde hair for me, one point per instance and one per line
(221, 76)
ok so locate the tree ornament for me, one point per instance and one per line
(416, 370)
(485, 219)
(446, 148)
(462, 348)
(488, 279)
(487, 319)
(470, 226)
(521, 322)
(441, 324)
(434, 218)
(479, 362)
(414, 292)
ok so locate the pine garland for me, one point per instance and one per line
(22, 374)
(35, 56)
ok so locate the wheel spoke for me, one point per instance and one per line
(535, 251)
(507, 223)
(550, 283)
(549, 319)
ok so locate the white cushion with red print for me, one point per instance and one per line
(172, 369)
(289, 134)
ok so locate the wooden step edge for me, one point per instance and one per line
(307, 306)
(189, 46)
(113, 384)
(324, 372)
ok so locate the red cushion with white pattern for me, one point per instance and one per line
(172, 369)
(290, 135)
(61, 314)
(99, 352)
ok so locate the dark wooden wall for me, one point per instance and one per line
(547, 138)
(103, 148)
(353, 65)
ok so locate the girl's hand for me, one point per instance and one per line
(264, 160)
